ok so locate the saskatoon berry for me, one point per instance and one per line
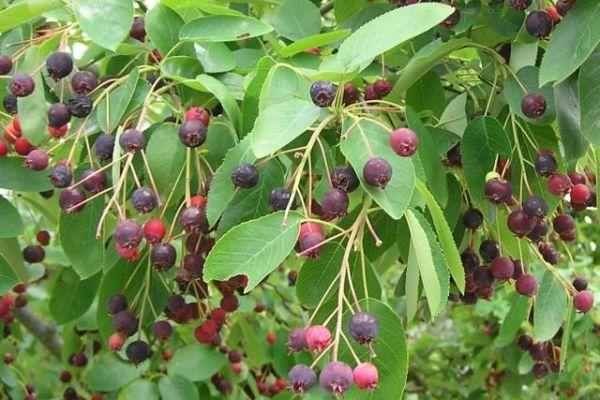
(469, 260)
(583, 301)
(116, 304)
(192, 133)
(71, 200)
(297, 340)
(382, 87)
(104, 147)
(59, 65)
(520, 223)
(539, 231)
(37, 160)
(580, 194)
(453, 156)
(34, 254)
(502, 268)
(132, 140)
(580, 284)
(366, 376)
(143, 200)
(377, 172)
(229, 303)
(70, 394)
(334, 204)
(125, 322)
(162, 330)
(483, 277)
(3, 148)
(207, 332)
(138, 351)
(65, 376)
(22, 85)
(59, 132)
(549, 253)
(245, 176)
(163, 256)
(535, 206)
(83, 82)
(301, 378)
(154, 230)
(472, 218)
(563, 223)
(80, 105)
(525, 342)
(234, 356)
(404, 142)
(563, 6)
(576, 178)
(533, 105)
(351, 94)
(22, 146)
(526, 285)
(6, 65)
(128, 233)
(489, 250)
(318, 337)
(336, 377)
(498, 191)
(559, 184)
(43, 238)
(311, 235)
(344, 178)
(370, 93)
(279, 199)
(538, 24)
(539, 370)
(138, 29)
(193, 219)
(198, 114)
(58, 115)
(545, 163)
(363, 327)
(10, 104)
(520, 5)
(93, 181)
(322, 93)
(116, 341)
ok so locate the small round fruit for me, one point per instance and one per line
(533, 105)
(539, 370)
(370, 94)
(71, 200)
(192, 133)
(520, 223)
(472, 218)
(128, 233)
(125, 322)
(138, 351)
(279, 199)
(143, 200)
(336, 377)
(382, 87)
(498, 191)
(193, 219)
(563, 223)
(563, 6)
(525, 342)
(539, 231)
(198, 114)
(502, 268)
(559, 184)
(59, 64)
(318, 337)
(351, 94)
(520, 5)
(580, 284)
(162, 330)
(545, 163)
(245, 176)
(37, 160)
(539, 24)
(117, 303)
(154, 230)
(297, 340)
(80, 105)
(58, 115)
(207, 332)
(583, 301)
(310, 239)
(116, 341)
(59, 132)
(65, 377)
(334, 204)
(363, 327)
(344, 178)
(163, 256)
(22, 146)
(580, 194)
(377, 172)
(470, 260)
(132, 140)
(526, 285)
(404, 142)
(3, 148)
(535, 206)
(366, 376)
(322, 93)
(83, 82)
(549, 253)
(34, 254)
(10, 104)
(94, 181)
(301, 378)
(22, 85)
(229, 303)
(43, 238)
(138, 29)
(61, 176)
(104, 146)
(6, 64)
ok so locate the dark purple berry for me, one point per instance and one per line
(525, 342)
(549, 253)
(22, 85)
(454, 156)
(125, 322)
(502, 268)
(83, 82)
(104, 147)
(297, 340)
(34, 253)
(93, 181)
(563, 223)
(234, 356)
(322, 93)
(580, 284)
(132, 140)
(539, 370)
(6, 64)
(192, 133)
(116, 304)
(498, 191)
(351, 94)
(520, 5)
(539, 232)
(535, 206)
(489, 250)
(382, 87)
(175, 303)
(143, 200)
(138, 29)
(128, 233)
(563, 6)
(334, 204)
(279, 199)
(70, 394)
(58, 115)
(336, 377)
(163, 256)
(363, 327)
(344, 178)
(59, 65)
(138, 351)
(79, 359)
(245, 176)
(483, 277)
(10, 104)
(472, 218)
(377, 172)
(193, 219)
(80, 105)
(545, 164)
(520, 223)
(533, 105)
(36, 160)
(70, 200)
(162, 330)
(538, 24)
(526, 285)
(302, 378)
(470, 261)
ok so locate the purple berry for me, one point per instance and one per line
(502, 268)
(549, 253)
(533, 106)
(489, 250)
(538, 24)
(70, 200)
(10, 104)
(36, 160)
(539, 370)
(162, 330)
(336, 377)
(104, 147)
(58, 115)
(83, 82)
(525, 342)
(563, 223)
(535, 206)
(279, 199)
(377, 172)
(22, 85)
(580, 284)
(526, 285)
(344, 178)
(59, 65)
(545, 163)
(297, 340)
(193, 219)
(6, 64)
(192, 133)
(583, 301)
(472, 218)
(245, 176)
(335, 204)
(351, 94)
(539, 231)
(301, 378)
(143, 200)
(138, 351)
(322, 93)
(128, 233)
(520, 223)
(80, 105)
(132, 140)
(363, 327)
(470, 260)
(138, 29)
(163, 256)
(125, 322)
(93, 181)
(34, 254)
(116, 304)
(498, 191)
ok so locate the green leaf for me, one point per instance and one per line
(16, 177)
(23, 11)
(112, 107)
(513, 93)
(411, 284)
(365, 139)
(572, 42)
(8, 278)
(139, 389)
(215, 57)
(71, 297)
(570, 116)
(388, 31)
(225, 98)
(427, 95)
(391, 350)
(252, 96)
(222, 190)
(444, 235)
(166, 157)
(589, 82)
(550, 308)
(11, 225)
(283, 83)
(319, 40)
(182, 69)
(196, 362)
(162, 25)
(107, 373)
(296, 19)
(11, 252)
(254, 248)
(34, 106)
(220, 139)
(421, 248)
(223, 28)
(484, 138)
(177, 388)
(518, 313)
(77, 234)
(107, 23)
(344, 9)
(454, 117)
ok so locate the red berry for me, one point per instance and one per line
(116, 341)
(311, 235)
(382, 87)
(218, 315)
(3, 148)
(583, 301)
(198, 114)
(580, 194)
(404, 142)
(59, 132)
(527, 285)
(22, 146)
(230, 303)
(271, 338)
(198, 201)
(130, 254)
(553, 13)
(520, 223)
(559, 184)
(154, 230)
(207, 332)
(366, 376)
(502, 268)
(43, 238)
(318, 337)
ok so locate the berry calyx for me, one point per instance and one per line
(245, 176)
(366, 376)
(301, 378)
(526, 285)
(322, 93)
(336, 377)
(318, 337)
(377, 172)
(583, 301)
(363, 327)
(404, 142)
(310, 239)
(154, 230)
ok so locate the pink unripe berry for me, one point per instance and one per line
(583, 301)
(404, 142)
(527, 285)
(318, 337)
(366, 376)
(115, 341)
